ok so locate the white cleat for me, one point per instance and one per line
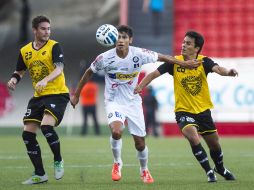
(59, 169)
(36, 179)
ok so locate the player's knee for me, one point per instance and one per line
(193, 140)
(214, 145)
(49, 132)
(28, 136)
(140, 146)
(46, 129)
(116, 134)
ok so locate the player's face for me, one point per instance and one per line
(43, 31)
(123, 41)
(188, 47)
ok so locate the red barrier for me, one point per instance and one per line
(226, 129)
(219, 22)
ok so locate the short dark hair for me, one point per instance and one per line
(126, 29)
(37, 20)
(199, 39)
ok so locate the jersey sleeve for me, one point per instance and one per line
(166, 68)
(20, 64)
(208, 64)
(148, 56)
(57, 54)
(97, 64)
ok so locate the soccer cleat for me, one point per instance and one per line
(146, 177)
(116, 171)
(226, 174)
(36, 179)
(211, 176)
(59, 169)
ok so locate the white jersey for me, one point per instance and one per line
(121, 75)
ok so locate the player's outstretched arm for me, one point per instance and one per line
(190, 64)
(145, 81)
(75, 97)
(224, 72)
(15, 78)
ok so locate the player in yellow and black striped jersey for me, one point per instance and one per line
(193, 102)
(44, 59)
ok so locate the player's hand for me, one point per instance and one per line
(12, 83)
(137, 90)
(74, 101)
(39, 87)
(232, 72)
(191, 64)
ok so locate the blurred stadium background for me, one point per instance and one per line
(229, 37)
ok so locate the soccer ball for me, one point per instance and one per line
(107, 35)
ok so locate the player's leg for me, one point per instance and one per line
(116, 146)
(211, 137)
(32, 119)
(47, 128)
(188, 126)
(116, 120)
(142, 154)
(216, 154)
(34, 153)
(136, 127)
(53, 114)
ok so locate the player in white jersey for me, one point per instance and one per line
(122, 66)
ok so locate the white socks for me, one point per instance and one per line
(116, 146)
(143, 158)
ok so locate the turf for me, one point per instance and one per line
(88, 163)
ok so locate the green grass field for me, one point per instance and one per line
(88, 164)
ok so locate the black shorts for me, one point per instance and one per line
(203, 121)
(52, 104)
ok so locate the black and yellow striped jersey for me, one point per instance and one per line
(40, 63)
(190, 86)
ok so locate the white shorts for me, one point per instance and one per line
(132, 113)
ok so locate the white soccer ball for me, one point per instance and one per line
(107, 35)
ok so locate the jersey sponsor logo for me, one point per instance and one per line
(192, 84)
(135, 59)
(121, 76)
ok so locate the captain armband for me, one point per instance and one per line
(16, 76)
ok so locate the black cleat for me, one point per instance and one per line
(211, 176)
(226, 174)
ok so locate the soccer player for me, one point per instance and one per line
(122, 66)
(44, 60)
(193, 103)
